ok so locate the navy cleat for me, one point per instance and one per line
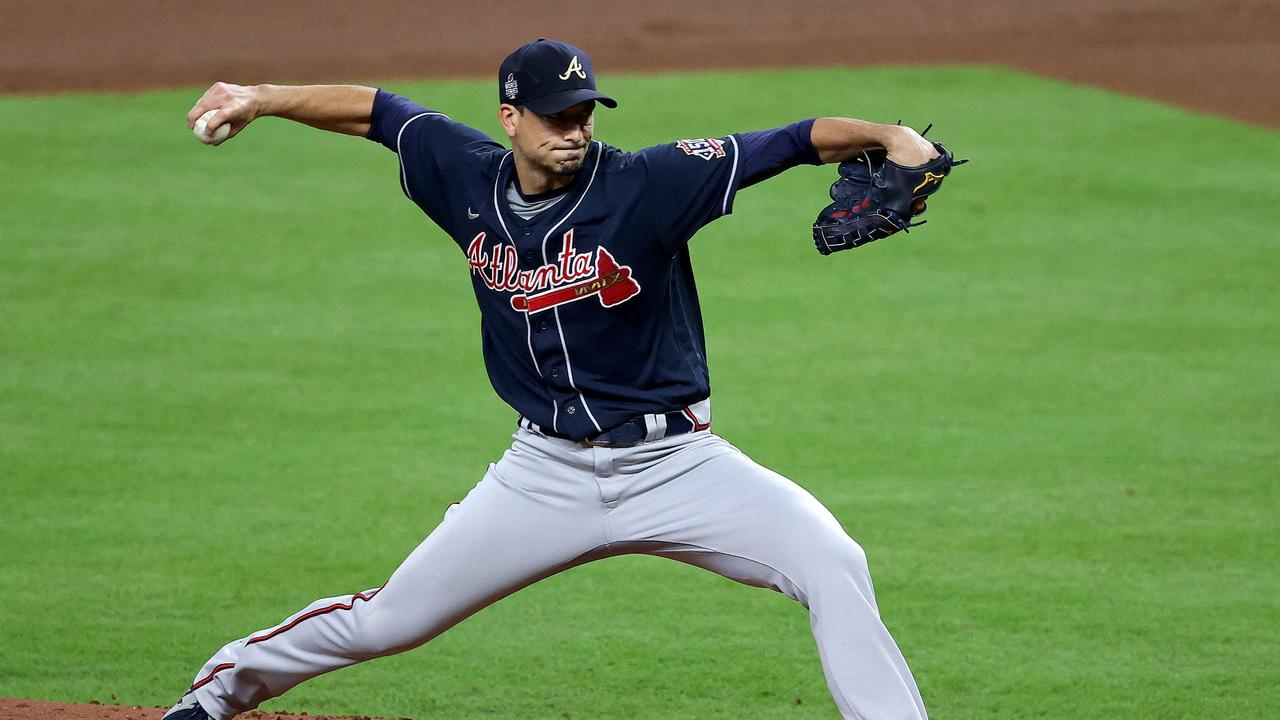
(187, 709)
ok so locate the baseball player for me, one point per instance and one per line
(591, 330)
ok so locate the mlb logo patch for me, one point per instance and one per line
(705, 148)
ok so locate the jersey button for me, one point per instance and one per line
(555, 372)
(570, 409)
(542, 326)
(527, 231)
(528, 254)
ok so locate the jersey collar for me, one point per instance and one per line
(573, 191)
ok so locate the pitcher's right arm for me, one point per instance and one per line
(344, 109)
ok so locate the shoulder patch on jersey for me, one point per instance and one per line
(705, 148)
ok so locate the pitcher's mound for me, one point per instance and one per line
(19, 709)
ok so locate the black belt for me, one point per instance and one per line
(632, 432)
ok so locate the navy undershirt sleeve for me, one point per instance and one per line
(766, 153)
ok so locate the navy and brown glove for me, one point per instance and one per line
(875, 197)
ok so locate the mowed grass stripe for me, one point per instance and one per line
(235, 380)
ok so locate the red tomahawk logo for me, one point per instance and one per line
(612, 283)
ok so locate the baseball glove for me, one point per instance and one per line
(875, 197)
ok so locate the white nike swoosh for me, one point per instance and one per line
(471, 215)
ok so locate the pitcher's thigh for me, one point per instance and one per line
(723, 503)
(499, 539)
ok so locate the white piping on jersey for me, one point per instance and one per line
(724, 207)
(404, 177)
(528, 326)
(568, 366)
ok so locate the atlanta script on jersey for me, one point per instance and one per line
(573, 276)
(589, 312)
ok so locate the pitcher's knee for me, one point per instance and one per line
(841, 568)
(383, 631)
(851, 559)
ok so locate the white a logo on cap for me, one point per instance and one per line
(575, 68)
(511, 87)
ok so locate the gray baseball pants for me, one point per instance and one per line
(548, 505)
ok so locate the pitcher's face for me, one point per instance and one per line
(557, 143)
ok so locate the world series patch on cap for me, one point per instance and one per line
(548, 76)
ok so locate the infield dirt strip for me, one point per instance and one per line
(1216, 56)
(16, 709)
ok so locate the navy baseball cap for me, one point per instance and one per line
(547, 76)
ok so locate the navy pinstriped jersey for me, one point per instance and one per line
(589, 313)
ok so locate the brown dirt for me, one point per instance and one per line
(1219, 56)
(18, 709)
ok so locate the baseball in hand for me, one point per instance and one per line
(219, 135)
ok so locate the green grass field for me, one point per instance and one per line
(235, 380)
